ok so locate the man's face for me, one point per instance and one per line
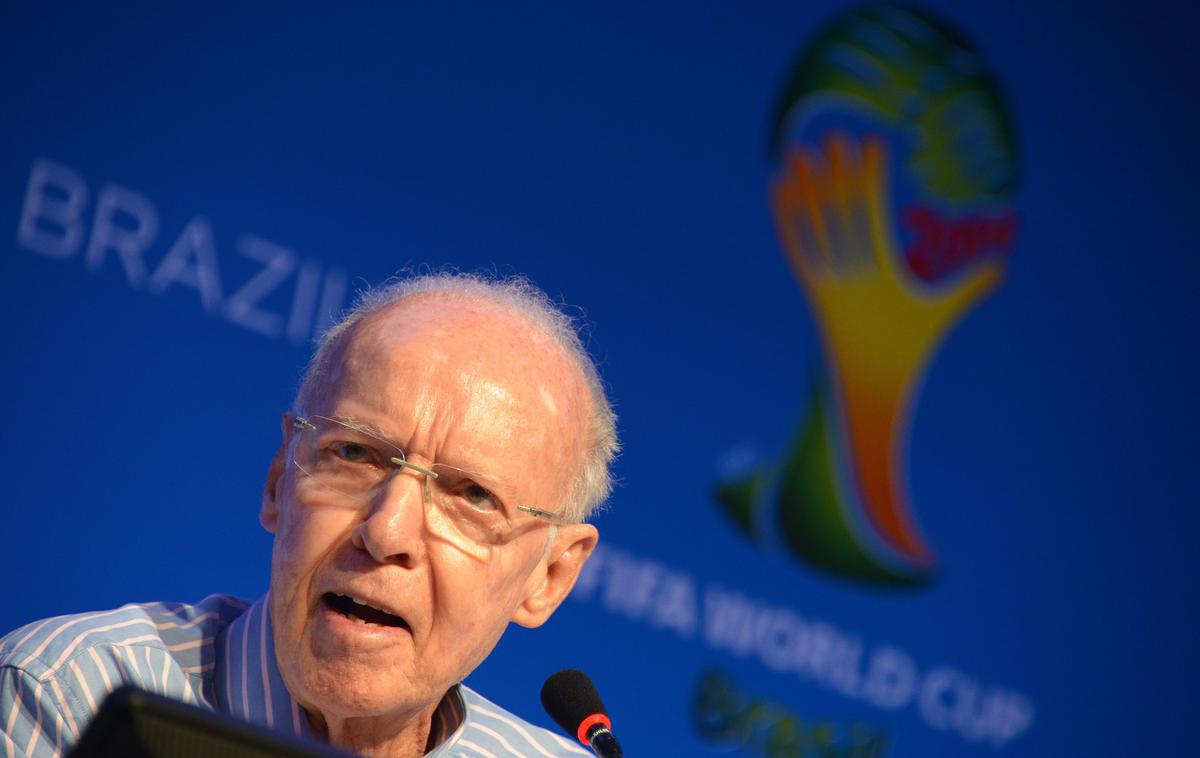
(450, 383)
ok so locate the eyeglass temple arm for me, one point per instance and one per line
(540, 513)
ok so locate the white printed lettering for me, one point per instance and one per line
(128, 239)
(836, 658)
(728, 618)
(589, 577)
(783, 640)
(675, 604)
(191, 261)
(333, 295)
(933, 706)
(242, 307)
(53, 223)
(42, 209)
(630, 585)
(1014, 714)
(891, 679)
(953, 701)
(303, 301)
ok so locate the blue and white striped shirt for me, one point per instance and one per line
(218, 654)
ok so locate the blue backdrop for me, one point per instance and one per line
(187, 194)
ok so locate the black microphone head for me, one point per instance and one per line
(570, 697)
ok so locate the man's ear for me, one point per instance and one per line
(549, 586)
(268, 515)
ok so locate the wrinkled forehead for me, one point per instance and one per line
(445, 336)
(486, 336)
(467, 378)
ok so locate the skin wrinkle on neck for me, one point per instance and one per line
(362, 737)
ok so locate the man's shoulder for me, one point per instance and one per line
(490, 730)
(43, 647)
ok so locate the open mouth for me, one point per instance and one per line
(356, 610)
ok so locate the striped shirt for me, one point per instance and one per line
(217, 654)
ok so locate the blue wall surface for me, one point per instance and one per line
(619, 157)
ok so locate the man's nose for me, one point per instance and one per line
(392, 530)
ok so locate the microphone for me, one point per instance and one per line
(572, 701)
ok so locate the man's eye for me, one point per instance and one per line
(352, 452)
(480, 498)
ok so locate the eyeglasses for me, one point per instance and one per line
(358, 464)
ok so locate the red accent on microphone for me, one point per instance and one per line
(588, 723)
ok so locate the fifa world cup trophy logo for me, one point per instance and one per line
(895, 164)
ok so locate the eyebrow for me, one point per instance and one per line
(364, 426)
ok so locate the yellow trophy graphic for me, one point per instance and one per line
(895, 168)
(878, 325)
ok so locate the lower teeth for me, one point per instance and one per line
(360, 620)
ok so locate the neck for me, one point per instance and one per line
(378, 736)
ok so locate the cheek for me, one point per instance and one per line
(479, 596)
(303, 539)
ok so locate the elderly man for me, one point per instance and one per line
(448, 440)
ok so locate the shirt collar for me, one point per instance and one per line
(248, 684)
(448, 721)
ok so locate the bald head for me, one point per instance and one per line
(501, 345)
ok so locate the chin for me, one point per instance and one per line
(348, 688)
